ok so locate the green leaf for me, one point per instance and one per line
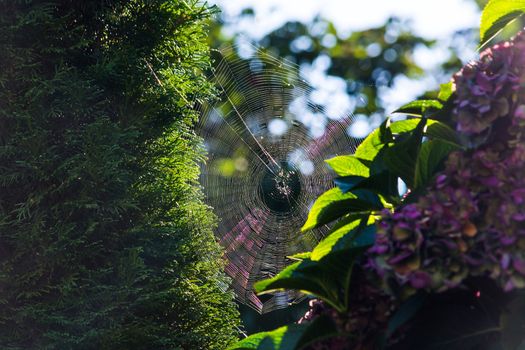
(433, 128)
(401, 157)
(321, 327)
(291, 337)
(385, 134)
(419, 107)
(306, 276)
(373, 150)
(339, 265)
(496, 15)
(445, 91)
(403, 126)
(348, 183)
(376, 140)
(327, 278)
(438, 130)
(405, 312)
(345, 227)
(349, 234)
(429, 159)
(381, 182)
(370, 146)
(284, 336)
(300, 256)
(349, 165)
(364, 238)
(334, 204)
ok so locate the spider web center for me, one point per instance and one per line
(280, 190)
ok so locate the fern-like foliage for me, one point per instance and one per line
(104, 240)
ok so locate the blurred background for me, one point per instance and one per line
(366, 57)
(363, 59)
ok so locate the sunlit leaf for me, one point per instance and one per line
(445, 91)
(376, 140)
(334, 204)
(291, 337)
(420, 107)
(345, 227)
(370, 146)
(349, 165)
(300, 256)
(306, 276)
(496, 15)
(327, 278)
(343, 237)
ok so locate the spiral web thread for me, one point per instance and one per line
(265, 167)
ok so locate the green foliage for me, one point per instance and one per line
(105, 242)
(328, 278)
(419, 107)
(326, 271)
(429, 159)
(334, 203)
(348, 233)
(413, 150)
(445, 92)
(369, 149)
(496, 15)
(393, 150)
(292, 337)
(349, 165)
(438, 107)
(397, 149)
(401, 156)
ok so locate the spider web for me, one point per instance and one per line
(266, 142)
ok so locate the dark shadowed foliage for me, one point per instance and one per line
(104, 240)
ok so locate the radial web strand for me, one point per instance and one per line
(266, 144)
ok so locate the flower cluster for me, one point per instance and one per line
(424, 244)
(486, 89)
(471, 221)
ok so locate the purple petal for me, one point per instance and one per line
(507, 240)
(420, 279)
(400, 257)
(505, 261)
(519, 265)
(508, 286)
(519, 216)
(491, 181)
(379, 249)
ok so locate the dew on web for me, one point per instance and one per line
(266, 142)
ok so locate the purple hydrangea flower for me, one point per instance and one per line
(471, 221)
